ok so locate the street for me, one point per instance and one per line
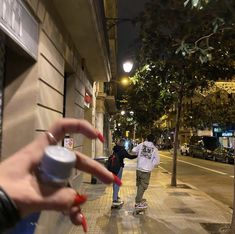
(213, 178)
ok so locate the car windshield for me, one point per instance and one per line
(211, 142)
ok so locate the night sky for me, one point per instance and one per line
(127, 32)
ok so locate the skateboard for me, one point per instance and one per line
(139, 211)
(117, 206)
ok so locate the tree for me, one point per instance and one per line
(123, 123)
(146, 100)
(184, 49)
(217, 107)
(186, 45)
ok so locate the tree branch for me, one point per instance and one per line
(204, 37)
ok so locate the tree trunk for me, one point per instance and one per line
(176, 140)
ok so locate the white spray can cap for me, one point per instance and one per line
(56, 165)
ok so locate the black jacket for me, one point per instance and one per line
(122, 153)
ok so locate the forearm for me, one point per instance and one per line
(131, 156)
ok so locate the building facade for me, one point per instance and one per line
(217, 101)
(55, 57)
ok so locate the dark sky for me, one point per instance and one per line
(127, 32)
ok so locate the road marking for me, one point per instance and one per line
(165, 170)
(192, 164)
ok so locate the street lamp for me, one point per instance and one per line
(127, 66)
(125, 81)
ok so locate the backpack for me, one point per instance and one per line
(113, 163)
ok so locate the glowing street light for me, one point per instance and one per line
(127, 66)
(125, 81)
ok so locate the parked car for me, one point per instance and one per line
(223, 154)
(202, 146)
(184, 149)
(164, 146)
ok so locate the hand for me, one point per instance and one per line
(18, 173)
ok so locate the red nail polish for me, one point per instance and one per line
(100, 136)
(84, 223)
(117, 180)
(79, 199)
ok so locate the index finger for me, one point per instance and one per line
(58, 131)
(69, 125)
(86, 164)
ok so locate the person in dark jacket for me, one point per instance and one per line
(121, 152)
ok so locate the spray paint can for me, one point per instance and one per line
(56, 165)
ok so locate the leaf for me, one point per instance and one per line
(195, 3)
(178, 49)
(201, 58)
(186, 3)
(215, 28)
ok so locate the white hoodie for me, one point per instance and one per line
(148, 156)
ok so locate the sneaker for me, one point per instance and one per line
(141, 205)
(117, 203)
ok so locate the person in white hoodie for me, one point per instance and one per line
(148, 157)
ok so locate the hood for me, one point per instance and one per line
(148, 143)
(117, 148)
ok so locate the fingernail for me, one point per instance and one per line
(100, 136)
(79, 199)
(84, 223)
(117, 180)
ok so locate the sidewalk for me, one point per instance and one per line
(182, 210)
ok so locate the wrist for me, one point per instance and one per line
(9, 214)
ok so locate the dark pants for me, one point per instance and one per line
(142, 182)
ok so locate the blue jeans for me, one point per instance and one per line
(116, 187)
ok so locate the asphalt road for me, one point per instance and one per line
(214, 178)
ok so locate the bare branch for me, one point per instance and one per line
(204, 37)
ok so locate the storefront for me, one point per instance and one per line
(226, 136)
